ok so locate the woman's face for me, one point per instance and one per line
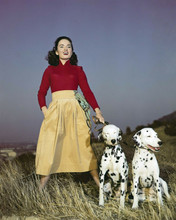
(64, 50)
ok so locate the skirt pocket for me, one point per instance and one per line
(51, 108)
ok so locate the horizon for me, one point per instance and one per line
(93, 131)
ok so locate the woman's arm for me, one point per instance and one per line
(44, 86)
(99, 115)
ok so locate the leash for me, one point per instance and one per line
(97, 122)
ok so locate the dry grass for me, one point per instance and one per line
(75, 196)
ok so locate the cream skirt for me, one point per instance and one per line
(64, 139)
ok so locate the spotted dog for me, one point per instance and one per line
(145, 167)
(114, 162)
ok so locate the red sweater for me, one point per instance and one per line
(65, 77)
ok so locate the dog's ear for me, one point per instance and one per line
(137, 139)
(120, 132)
(120, 135)
(100, 136)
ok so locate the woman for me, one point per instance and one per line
(64, 139)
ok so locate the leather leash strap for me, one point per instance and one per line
(97, 122)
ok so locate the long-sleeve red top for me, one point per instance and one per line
(65, 77)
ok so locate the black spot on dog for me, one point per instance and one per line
(137, 143)
(122, 192)
(131, 196)
(138, 133)
(151, 158)
(101, 180)
(113, 174)
(106, 155)
(123, 180)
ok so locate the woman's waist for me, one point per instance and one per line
(63, 94)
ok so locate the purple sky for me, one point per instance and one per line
(126, 47)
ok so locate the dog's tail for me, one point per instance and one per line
(165, 188)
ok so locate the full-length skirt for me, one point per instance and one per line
(64, 138)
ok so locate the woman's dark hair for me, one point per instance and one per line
(53, 59)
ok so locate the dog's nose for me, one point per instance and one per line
(113, 141)
(160, 143)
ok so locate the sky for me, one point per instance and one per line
(127, 49)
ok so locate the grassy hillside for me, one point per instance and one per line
(75, 196)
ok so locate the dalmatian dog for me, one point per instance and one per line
(114, 162)
(145, 167)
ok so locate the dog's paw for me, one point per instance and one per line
(135, 206)
(168, 197)
(101, 203)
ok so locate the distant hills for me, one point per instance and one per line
(168, 121)
(168, 118)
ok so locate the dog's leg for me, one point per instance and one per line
(135, 191)
(158, 190)
(164, 188)
(123, 191)
(101, 196)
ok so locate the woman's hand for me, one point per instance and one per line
(44, 110)
(99, 115)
